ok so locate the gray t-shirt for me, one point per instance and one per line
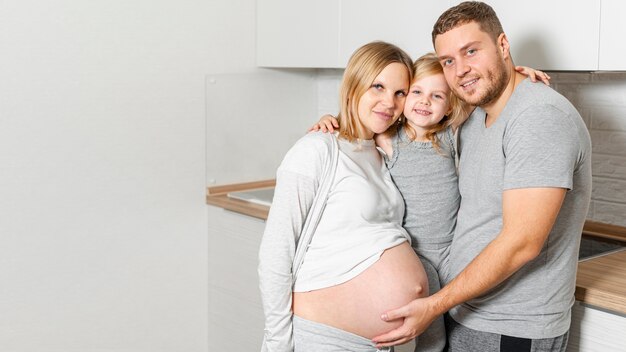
(428, 182)
(539, 140)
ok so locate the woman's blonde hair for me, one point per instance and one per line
(364, 65)
(428, 65)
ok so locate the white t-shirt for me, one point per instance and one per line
(362, 218)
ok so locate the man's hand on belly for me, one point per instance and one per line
(417, 315)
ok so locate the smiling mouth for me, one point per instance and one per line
(422, 112)
(469, 83)
(383, 115)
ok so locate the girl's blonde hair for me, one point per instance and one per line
(364, 65)
(428, 65)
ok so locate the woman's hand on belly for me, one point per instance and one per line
(416, 319)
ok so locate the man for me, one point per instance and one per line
(525, 182)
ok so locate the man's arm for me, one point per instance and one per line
(528, 217)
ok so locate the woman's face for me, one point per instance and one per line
(427, 102)
(383, 101)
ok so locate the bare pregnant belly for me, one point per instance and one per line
(396, 279)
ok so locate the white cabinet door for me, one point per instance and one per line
(548, 35)
(612, 43)
(552, 34)
(297, 33)
(325, 33)
(406, 23)
(235, 312)
(595, 330)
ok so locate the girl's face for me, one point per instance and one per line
(427, 102)
(383, 101)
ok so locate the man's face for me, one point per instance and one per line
(473, 64)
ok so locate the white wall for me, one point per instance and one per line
(103, 223)
(253, 119)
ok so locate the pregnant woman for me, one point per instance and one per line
(359, 262)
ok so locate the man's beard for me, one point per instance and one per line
(496, 79)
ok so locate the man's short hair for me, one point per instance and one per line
(466, 12)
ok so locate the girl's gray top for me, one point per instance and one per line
(428, 181)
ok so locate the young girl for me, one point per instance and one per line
(359, 263)
(421, 157)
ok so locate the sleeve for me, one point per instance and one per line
(296, 185)
(541, 149)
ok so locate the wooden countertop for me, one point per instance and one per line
(600, 281)
(218, 195)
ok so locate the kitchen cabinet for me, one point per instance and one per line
(552, 35)
(296, 33)
(548, 35)
(596, 330)
(612, 44)
(324, 34)
(236, 315)
(406, 23)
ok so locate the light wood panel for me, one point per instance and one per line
(222, 189)
(609, 231)
(602, 282)
(217, 195)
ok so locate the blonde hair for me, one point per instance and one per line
(428, 65)
(364, 65)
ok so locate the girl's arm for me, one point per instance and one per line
(327, 123)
